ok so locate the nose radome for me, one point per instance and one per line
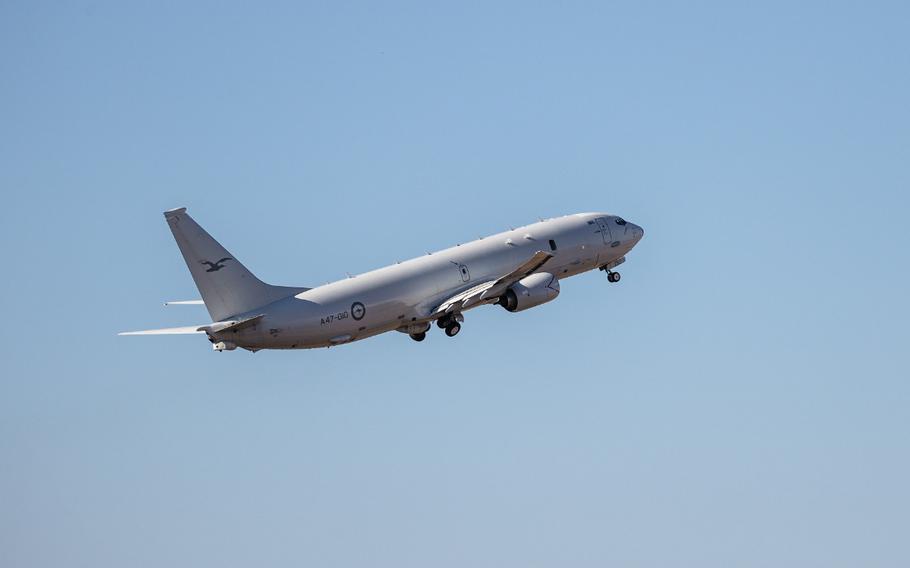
(637, 231)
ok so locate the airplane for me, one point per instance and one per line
(517, 269)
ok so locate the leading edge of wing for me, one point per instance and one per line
(535, 262)
(489, 291)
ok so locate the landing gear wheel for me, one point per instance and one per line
(419, 336)
(613, 277)
(453, 328)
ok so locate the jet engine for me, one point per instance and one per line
(530, 291)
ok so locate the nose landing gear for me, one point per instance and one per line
(611, 276)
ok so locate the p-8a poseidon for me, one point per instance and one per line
(517, 269)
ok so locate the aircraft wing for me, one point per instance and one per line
(462, 300)
(490, 291)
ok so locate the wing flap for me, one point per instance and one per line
(462, 300)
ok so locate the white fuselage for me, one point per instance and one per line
(403, 296)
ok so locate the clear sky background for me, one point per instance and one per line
(739, 399)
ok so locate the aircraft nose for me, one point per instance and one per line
(637, 232)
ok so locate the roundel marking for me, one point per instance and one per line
(358, 311)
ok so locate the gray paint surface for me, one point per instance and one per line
(406, 296)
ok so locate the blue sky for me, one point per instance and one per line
(739, 399)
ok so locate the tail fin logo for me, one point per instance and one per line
(215, 266)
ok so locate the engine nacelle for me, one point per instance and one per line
(530, 291)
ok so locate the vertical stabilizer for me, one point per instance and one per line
(227, 287)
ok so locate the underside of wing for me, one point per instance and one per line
(461, 301)
(489, 291)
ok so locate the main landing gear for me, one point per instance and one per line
(611, 276)
(451, 324)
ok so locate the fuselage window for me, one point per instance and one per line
(552, 244)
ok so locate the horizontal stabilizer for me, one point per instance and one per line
(210, 328)
(167, 331)
(231, 325)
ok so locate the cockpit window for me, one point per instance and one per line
(620, 221)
